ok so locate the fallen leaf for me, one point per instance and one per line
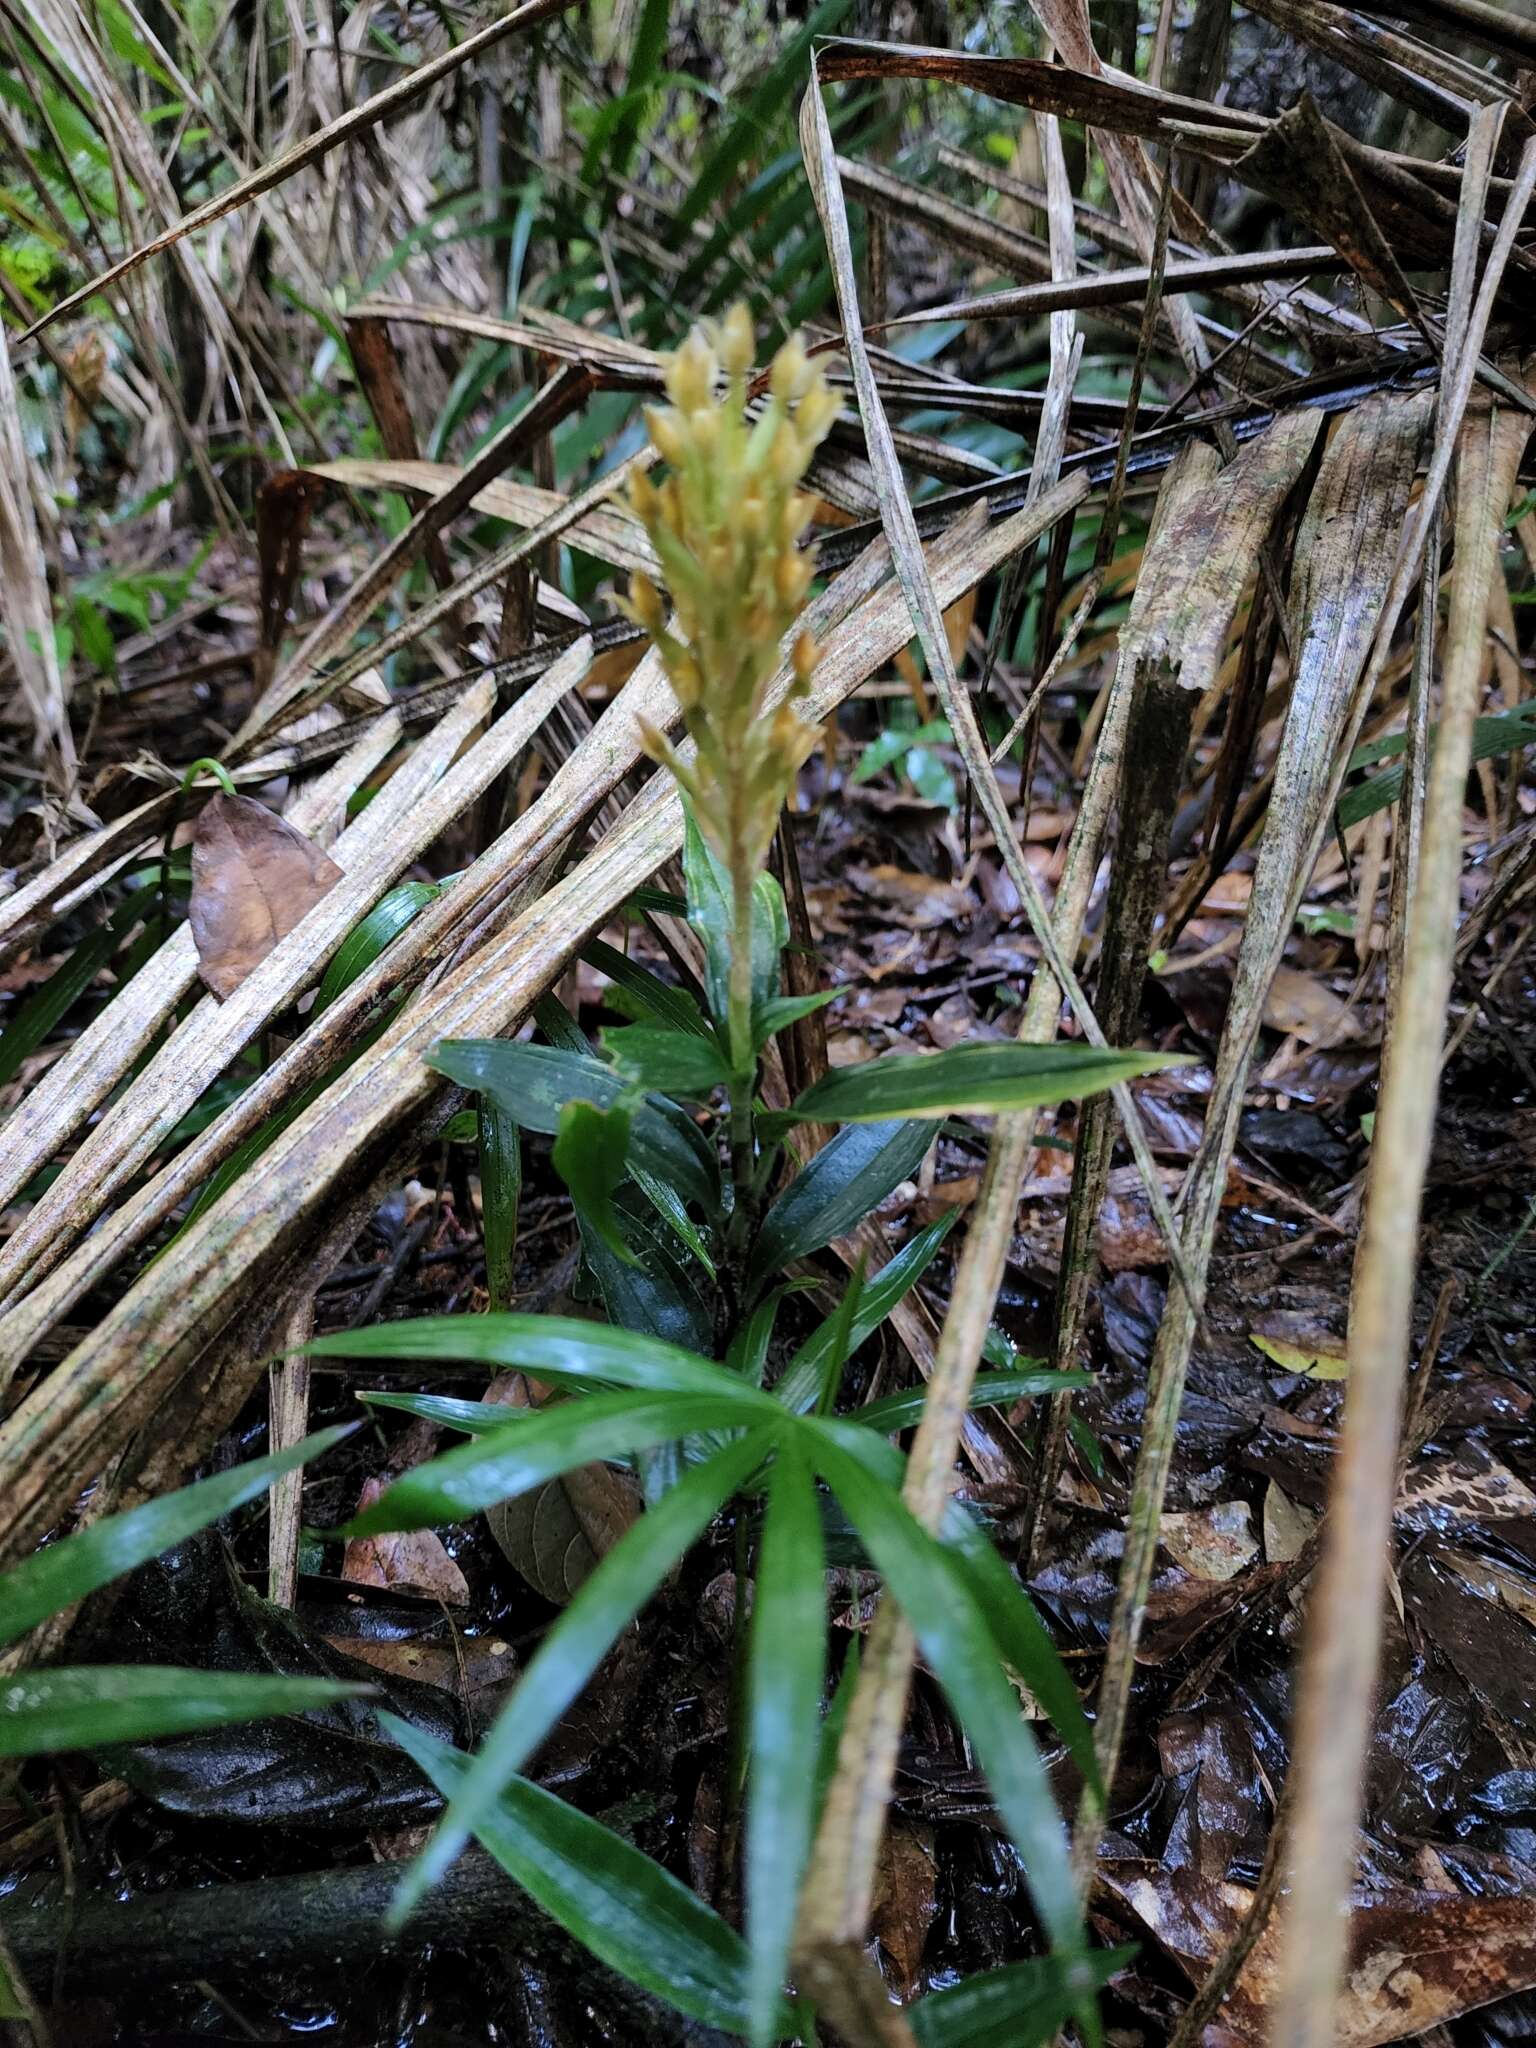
(415, 1560)
(1287, 1526)
(1417, 1959)
(1443, 1493)
(913, 900)
(906, 1901)
(1211, 1543)
(1316, 1361)
(1307, 1008)
(253, 878)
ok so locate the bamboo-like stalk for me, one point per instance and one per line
(1344, 1634)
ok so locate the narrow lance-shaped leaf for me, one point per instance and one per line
(368, 939)
(650, 998)
(675, 1062)
(576, 1644)
(566, 1350)
(972, 1080)
(989, 1390)
(501, 1187)
(629, 1912)
(880, 1294)
(475, 1476)
(837, 1189)
(939, 1602)
(1023, 2005)
(784, 1680)
(55, 1578)
(84, 1706)
(533, 1083)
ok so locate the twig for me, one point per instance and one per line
(1343, 1640)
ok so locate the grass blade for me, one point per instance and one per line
(787, 1666)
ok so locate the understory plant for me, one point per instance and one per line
(696, 1216)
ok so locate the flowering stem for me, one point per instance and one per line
(743, 1059)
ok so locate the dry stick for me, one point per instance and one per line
(1109, 524)
(341, 623)
(836, 1905)
(1343, 1639)
(1053, 1440)
(492, 570)
(1334, 635)
(310, 150)
(907, 556)
(1160, 716)
(288, 1381)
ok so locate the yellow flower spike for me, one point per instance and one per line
(726, 526)
(668, 438)
(737, 344)
(690, 375)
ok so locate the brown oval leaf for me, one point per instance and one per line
(253, 878)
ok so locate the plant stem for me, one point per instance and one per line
(743, 1059)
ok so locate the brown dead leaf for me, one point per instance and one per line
(1307, 1008)
(1470, 1486)
(253, 878)
(1211, 1543)
(906, 1901)
(1417, 1959)
(415, 1560)
(913, 900)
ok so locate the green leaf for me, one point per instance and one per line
(786, 1668)
(882, 1292)
(976, 1080)
(709, 912)
(629, 1912)
(533, 1083)
(895, 741)
(652, 999)
(675, 1062)
(1022, 1639)
(937, 1596)
(747, 1356)
(589, 1157)
(668, 1205)
(602, 1608)
(34, 1018)
(1020, 2006)
(82, 1706)
(989, 1390)
(1502, 733)
(501, 1187)
(565, 1350)
(475, 1476)
(55, 1578)
(837, 1189)
(663, 1293)
(762, 106)
(472, 1418)
(779, 1012)
(368, 939)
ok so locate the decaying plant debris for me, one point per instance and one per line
(1154, 480)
